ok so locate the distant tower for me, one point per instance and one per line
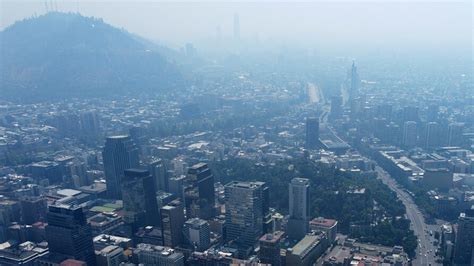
(119, 153)
(69, 234)
(455, 137)
(312, 132)
(236, 27)
(432, 139)
(354, 92)
(409, 134)
(298, 223)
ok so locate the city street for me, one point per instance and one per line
(425, 253)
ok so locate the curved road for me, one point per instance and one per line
(425, 250)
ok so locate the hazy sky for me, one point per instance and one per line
(440, 25)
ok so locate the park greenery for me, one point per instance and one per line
(365, 208)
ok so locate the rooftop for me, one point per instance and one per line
(320, 221)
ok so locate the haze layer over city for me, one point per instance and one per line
(236, 133)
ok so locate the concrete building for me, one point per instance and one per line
(270, 248)
(440, 178)
(312, 132)
(464, 243)
(158, 255)
(328, 226)
(172, 222)
(306, 251)
(197, 233)
(199, 192)
(110, 256)
(410, 134)
(69, 234)
(244, 212)
(299, 208)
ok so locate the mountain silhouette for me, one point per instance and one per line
(69, 55)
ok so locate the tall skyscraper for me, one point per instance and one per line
(119, 153)
(455, 137)
(90, 123)
(355, 82)
(409, 134)
(197, 233)
(464, 244)
(69, 234)
(432, 139)
(159, 172)
(199, 192)
(172, 223)
(139, 199)
(236, 27)
(312, 132)
(298, 223)
(244, 213)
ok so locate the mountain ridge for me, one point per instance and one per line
(70, 55)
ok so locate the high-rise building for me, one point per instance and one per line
(197, 234)
(269, 252)
(433, 133)
(176, 185)
(455, 137)
(33, 209)
(139, 199)
(236, 27)
(69, 234)
(172, 223)
(355, 82)
(137, 135)
(90, 123)
(119, 153)
(410, 134)
(10, 211)
(312, 132)
(464, 244)
(298, 223)
(159, 172)
(199, 194)
(244, 212)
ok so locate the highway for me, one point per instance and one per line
(425, 250)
